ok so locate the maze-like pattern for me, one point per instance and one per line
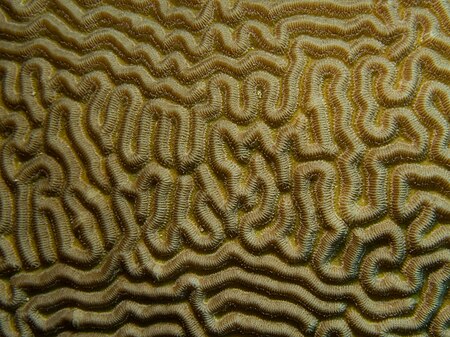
(214, 168)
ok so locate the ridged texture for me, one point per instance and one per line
(212, 168)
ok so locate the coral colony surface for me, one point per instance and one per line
(221, 168)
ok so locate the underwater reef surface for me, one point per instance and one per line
(220, 168)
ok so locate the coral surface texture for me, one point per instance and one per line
(224, 168)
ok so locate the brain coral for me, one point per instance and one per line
(216, 168)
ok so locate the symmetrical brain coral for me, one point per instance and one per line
(211, 168)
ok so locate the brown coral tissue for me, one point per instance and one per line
(224, 168)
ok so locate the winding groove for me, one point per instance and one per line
(210, 169)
